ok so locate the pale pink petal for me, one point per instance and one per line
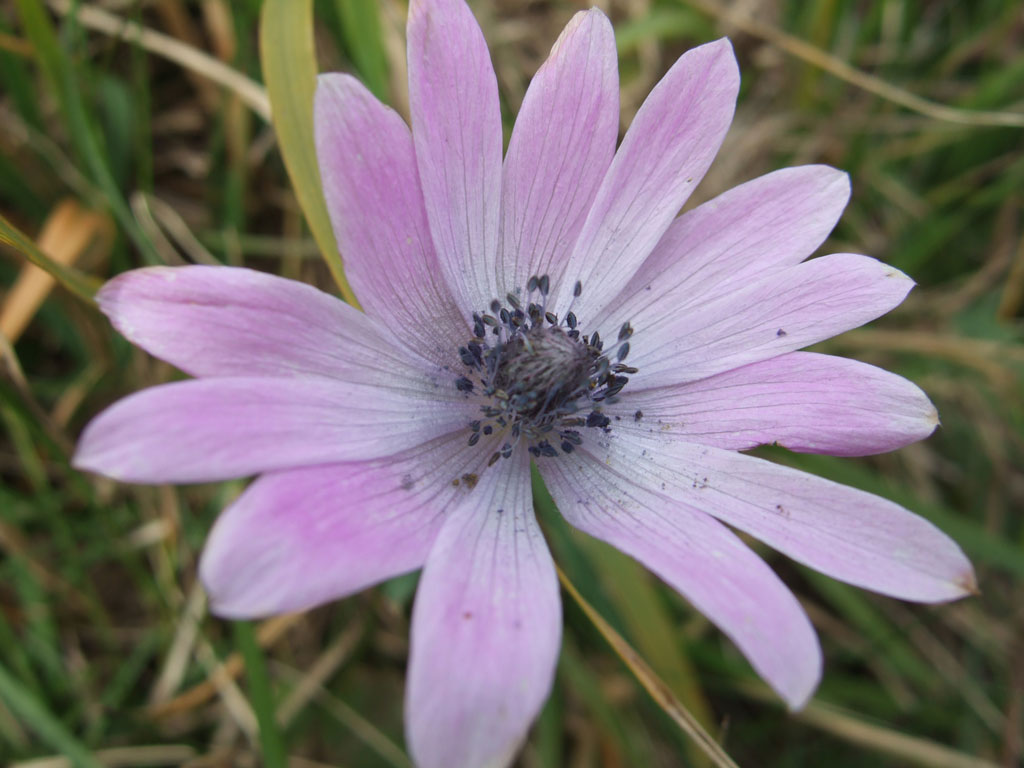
(214, 429)
(700, 558)
(843, 532)
(773, 221)
(229, 321)
(804, 401)
(789, 309)
(561, 147)
(456, 124)
(665, 153)
(306, 536)
(486, 628)
(374, 197)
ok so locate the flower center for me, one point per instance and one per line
(540, 378)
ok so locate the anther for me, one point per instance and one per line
(538, 375)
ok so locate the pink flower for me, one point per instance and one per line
(550, 306)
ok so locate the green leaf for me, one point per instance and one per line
(289, 65)
(360, 31)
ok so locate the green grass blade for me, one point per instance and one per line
(261, 696)
(35, 716)
(62, 73)
(289, 71)
(82, 286)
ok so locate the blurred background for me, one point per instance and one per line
(136, 132)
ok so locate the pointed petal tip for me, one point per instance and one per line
(969, 584)
(333, 89)
(897, 274)
(121, 289)
(960, 582)
(723, 48)
(726, 54)
(799, 691)
(965, 585)
(92, 456)
(834, 176)
(80, 461)
(797, 704)
(419, 8)
(227, 598)
(591, 23)
(594, 18)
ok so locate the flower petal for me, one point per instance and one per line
(561, 147)
(486, 628)
(663, 156)
(456, 124)
(774, 221)
(700, 558)
(306, 536)
(214, 429)
(373, 193)
(843, 532)
(229, 321)
(804, 401)
(789, 309)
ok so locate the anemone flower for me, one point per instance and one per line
(548, 306)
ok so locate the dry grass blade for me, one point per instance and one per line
(163, 224)
(309, 687)
(819, 58)
(988, 357)
(658, 690)
(311, 683)
(128, 757)
(67, 234)
(192, 59)
(176, 664)
(16, 45)
(1013, 291)
(875, 737)
(268, 633)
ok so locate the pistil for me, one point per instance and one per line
(540, 377)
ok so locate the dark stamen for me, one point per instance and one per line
(540, 379)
